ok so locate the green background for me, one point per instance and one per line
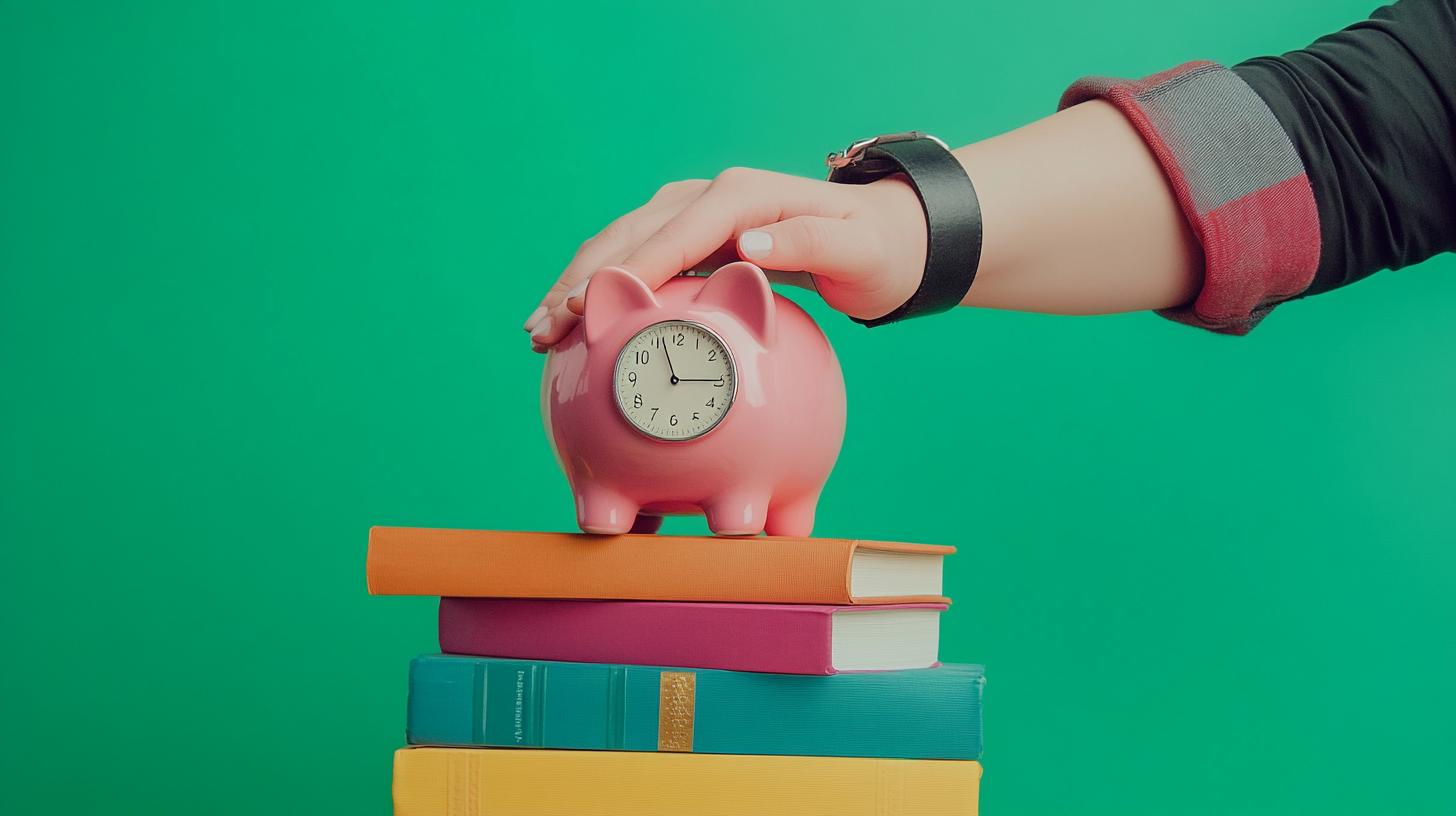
(263, 268)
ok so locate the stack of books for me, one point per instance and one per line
(680, 676)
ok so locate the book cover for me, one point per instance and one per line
(780, 638)
(913, 714)
(500, 564)
(479, 781)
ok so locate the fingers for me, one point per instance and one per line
(844, 235)
(560, 309)
(675, 231)
(738, 199)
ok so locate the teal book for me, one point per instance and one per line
(912, 714)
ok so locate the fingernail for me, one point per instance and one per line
(578, 290)
(755, 246)
(535, 318)
(541, 330)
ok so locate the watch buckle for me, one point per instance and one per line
(855, 152)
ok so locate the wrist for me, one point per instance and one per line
(951, 244)
(903, 234)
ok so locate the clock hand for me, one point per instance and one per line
(675, 380)
(718, 378)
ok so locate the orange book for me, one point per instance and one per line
(498, 564)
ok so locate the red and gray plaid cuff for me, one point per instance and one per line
(1239, 180)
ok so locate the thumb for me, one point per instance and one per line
(851, 265)
(824, 247)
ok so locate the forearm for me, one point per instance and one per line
(1078, 218)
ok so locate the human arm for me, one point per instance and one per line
(1078, 219)
(1284, 177)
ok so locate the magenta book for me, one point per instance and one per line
(779, 638)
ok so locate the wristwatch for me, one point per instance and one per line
(952, 213)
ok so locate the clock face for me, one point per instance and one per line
(675, 380)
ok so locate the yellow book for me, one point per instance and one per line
(525, 782)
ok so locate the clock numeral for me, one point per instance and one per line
(679, 420)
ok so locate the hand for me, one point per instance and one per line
(864, 244)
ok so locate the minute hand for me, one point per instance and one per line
(675, 378)
(718, 378)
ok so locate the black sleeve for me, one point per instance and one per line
(1372, 111)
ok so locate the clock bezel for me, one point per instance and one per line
(732, 390)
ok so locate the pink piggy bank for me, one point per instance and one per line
(711, 395)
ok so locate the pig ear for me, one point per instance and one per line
(612, 293)
(742, 290)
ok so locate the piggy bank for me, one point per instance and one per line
(711, 395)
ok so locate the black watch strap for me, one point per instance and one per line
(952, 214)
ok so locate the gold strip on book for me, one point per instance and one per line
(675, 703)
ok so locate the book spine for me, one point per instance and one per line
(483, 563)
(473, 782)
(733, 637)
(912, 714)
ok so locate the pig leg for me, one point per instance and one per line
(794, 517)
(647, 524)
(604, 512)
(737, 513)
